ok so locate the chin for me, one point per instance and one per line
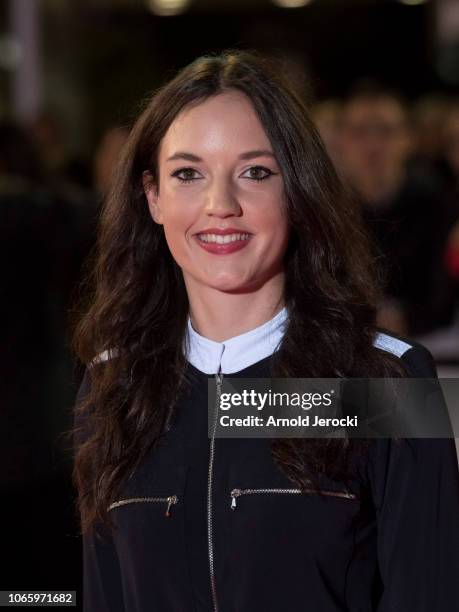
(229, 287)
(229, 284)
(234, 286)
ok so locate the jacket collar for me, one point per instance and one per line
(238, 352)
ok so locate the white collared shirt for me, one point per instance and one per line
(242, 351)
(238, 352)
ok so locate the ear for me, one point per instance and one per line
(152, 194)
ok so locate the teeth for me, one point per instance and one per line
(222, 239)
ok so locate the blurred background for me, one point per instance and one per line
(381, 78)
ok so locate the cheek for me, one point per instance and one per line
(270, 213)
(272, 224)
(179, 212)
(177, 219)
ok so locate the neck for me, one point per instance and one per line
(219, 315)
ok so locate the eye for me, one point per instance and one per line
(258, 173)
(186, 175)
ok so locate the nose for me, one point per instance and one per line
(221, 200)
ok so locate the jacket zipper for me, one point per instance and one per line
(235, 493)
(171, 499)
(219, 379)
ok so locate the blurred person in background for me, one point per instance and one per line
(27, 228)
(428, 120)
(449, 155)
(40, 256)
(452, 253)
(326, 116)
(48, 134)
(69, 178)
(406, 210)
(436, 119)
(106, 157)
(450, 171)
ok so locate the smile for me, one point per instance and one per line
(222, 245)
(222, 239)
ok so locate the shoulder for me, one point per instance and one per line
(414, 355)
(82, 414)
(104, 356)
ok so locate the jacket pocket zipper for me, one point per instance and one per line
(235, 493)
(171, 499)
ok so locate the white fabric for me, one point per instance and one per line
(242, 351)
(388, 343)
(238, 352)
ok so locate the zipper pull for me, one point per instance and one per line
(219, 375)
(234, 493)
(170, 500)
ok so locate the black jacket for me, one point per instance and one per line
(179, 545)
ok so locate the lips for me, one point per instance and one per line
(222, 231)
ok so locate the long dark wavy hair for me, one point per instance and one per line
(137, 302)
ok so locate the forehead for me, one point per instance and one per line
(225, 122)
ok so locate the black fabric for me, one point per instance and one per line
(394, 547)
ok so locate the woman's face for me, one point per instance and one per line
(220, 197)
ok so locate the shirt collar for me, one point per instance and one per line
(238, 352)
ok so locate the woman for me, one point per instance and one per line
(228, 249)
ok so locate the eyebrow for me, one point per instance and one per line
(247, 155)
